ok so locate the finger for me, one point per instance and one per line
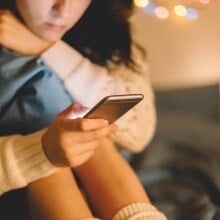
(68, 110)
(83, 124)
(5, 12)
(78, 137)
(73, 111)
(99, 133)
(5, 35)
(8, 17)
(10, 34)
(86, 124)
(81, 159)
(82, 148)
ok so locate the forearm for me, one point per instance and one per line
(84, 80)
(79, 73)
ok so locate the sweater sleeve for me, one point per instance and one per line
(22, 161)
(88, 83)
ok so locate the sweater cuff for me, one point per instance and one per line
(29, 158)
(71, 67)
(139, 211)
(62, 58)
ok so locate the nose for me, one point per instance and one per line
(61, 8)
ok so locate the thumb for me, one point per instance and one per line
(75, 110)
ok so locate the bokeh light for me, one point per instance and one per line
(180, 10)
(141, 3)
(192, 13)
(162, 12)
(150, 8)
(205, 2)
(188, 9)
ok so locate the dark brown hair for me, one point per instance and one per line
(103, 33)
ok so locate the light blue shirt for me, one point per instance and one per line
(31, 95)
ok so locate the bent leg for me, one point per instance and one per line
(57, 198)
(110, 182)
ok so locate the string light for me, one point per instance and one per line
(141, 3)
(162, 12)
(150, 7)
(191, 13)
(163, 9)
(204, 1)
(180, 10)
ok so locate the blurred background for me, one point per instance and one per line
(180, 169)
(178, 46)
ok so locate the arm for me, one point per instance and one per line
(67, 143)
(22, 161)
(73, 68)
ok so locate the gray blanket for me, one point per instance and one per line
(181, 167)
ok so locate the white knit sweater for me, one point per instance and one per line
(22, 159)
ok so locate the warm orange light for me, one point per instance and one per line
(141, 3)
(162, 12)
(180, 10)
(205, 2)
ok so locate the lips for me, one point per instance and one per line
(56, 27)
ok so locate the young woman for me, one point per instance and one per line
(32, 51)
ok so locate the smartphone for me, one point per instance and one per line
(114, 106)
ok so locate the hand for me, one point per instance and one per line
(71, 142)
(16, 36)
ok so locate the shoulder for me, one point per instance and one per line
(136, 75)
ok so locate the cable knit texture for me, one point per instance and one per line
(22, 161)
(88, 83)
(136, 211)
(139, 211)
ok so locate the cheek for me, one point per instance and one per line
(35, 21)
(31, 13)
(77, 14)
(32, 21)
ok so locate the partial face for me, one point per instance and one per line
(51, 19)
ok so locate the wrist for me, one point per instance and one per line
(30, 158)
(41, 47)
